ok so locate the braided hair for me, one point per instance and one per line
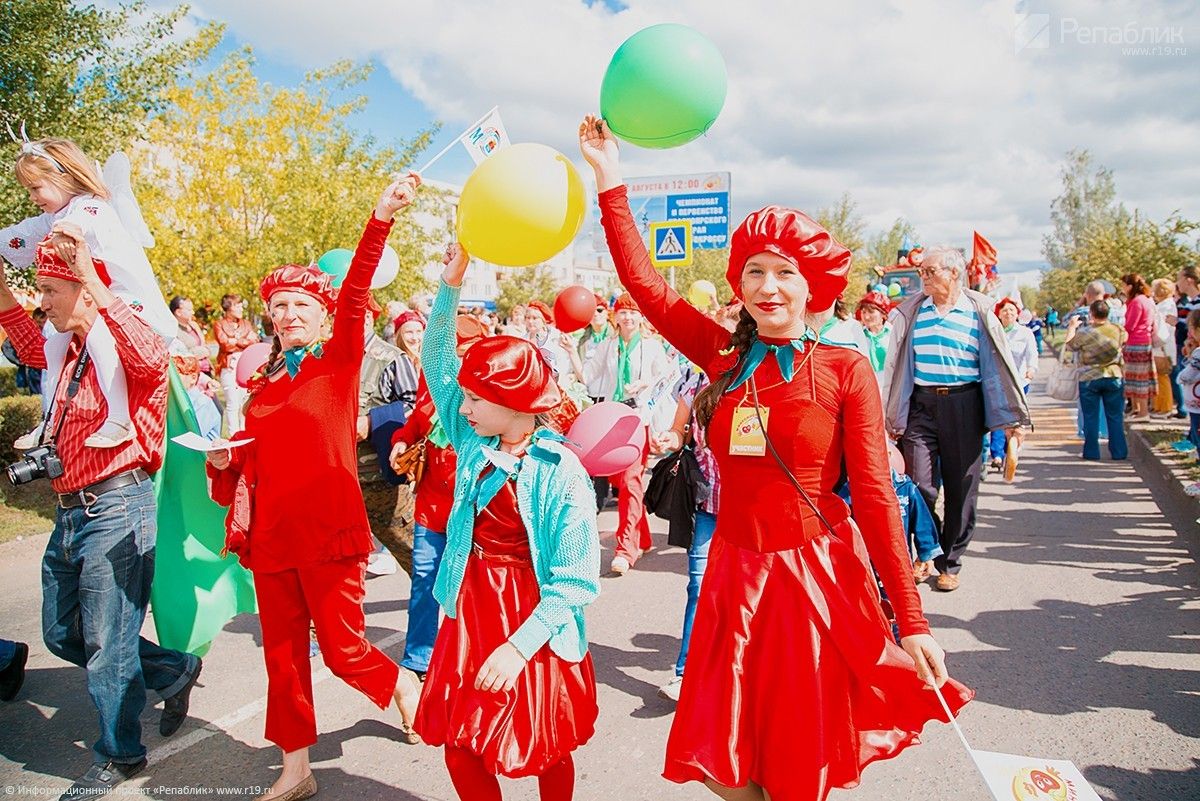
(742, 339)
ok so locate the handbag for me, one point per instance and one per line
(412, 462)
(1063, 381)
(671, 494)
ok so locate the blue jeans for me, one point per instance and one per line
(1176, 390)
(423, 613)
(1107, 395)
(8, 649)
(96, 576)
(1193, 435)
(702, 533)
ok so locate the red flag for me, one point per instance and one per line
(984, 253)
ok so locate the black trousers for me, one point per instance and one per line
(941, 447)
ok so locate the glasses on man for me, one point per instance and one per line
(926, 272)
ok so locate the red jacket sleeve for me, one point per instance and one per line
(876, 508)
(694, 335)
(355, 292)
(222, 484)
(26, 337)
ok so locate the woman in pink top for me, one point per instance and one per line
(1139, 361)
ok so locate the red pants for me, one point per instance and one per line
(633, 529)
(472, 781)
(329, 594)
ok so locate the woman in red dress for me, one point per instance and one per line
(297, 519)
(793, 681)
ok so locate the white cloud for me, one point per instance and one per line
(917, 108)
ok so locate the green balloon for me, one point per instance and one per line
(336, 263)
(664, 87)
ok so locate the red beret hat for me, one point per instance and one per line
(294, 278)
(1004, 302)
(406, 317)
(795, 236)
(510, 372)
(600, 300)
(49, 265)
(625, 301)
(468, 328)
(542, 309)
(875, 299)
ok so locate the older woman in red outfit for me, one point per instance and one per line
(297, 518)
(793, 682)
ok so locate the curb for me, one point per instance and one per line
(1179, 508)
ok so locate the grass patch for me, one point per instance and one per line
(27, 510)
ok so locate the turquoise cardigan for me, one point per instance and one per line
(554, 496)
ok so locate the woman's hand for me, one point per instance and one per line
(929, 657)
(499, 673)
(667, 441)
(399, 194)
(397, 451)
(362, 427)
(456, 260)
(599, 148)
(219, 459)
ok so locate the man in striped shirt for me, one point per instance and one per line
(99, 561)
(949, 378)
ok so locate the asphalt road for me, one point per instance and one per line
(1076, 623)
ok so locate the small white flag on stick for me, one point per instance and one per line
(483, 138)
(1023, 778)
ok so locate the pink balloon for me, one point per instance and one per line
(249, 362)
(574, 308)
(607, 438)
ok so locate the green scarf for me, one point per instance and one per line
(625, 364)
(598, 336)
(294, 356)
(785, 356)
(878, 352)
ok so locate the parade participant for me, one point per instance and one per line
(405, 372)
(835, 327)
(633, 369)
(434, 491)
(515, 327)
(99, 561)
(1187, 285)
(1139, 323)
(1189, 379)
(1025, 359)
(189, 336)
(949, 380)
(234, 334)
(63, 182)
(298, 520)
(789, 626)
(208, 416)
(511, 689)
(1162, 292)
(599, 329)
(872, 312)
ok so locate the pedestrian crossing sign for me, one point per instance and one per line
(671, 243)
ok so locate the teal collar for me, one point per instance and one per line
(292, 357)
(785, 354)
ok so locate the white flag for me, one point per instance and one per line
(1023, 778)
(485, 137)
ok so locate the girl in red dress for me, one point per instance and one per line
(297, 518)
(510, 689)
(793, 682)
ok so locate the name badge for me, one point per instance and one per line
(747, 438)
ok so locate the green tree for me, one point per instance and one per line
(1089, 198)
(241, 176)
(95, 76)
(709, 264)
(519, 285)
(884, 245)
(848, 227)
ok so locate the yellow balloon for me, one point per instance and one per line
(702, 293)
(521, 206)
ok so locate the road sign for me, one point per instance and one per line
(702, 198)
(671, 243)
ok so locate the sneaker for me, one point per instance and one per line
(997, 464)
(382, 563)
(947, 582)
(30, 440)
(13, 676)
(101, 778)
(1193, 490)
(1179, 416)
(619, 566)
(670, 690)
(1183, 445)
(175, 708)
(110, 435)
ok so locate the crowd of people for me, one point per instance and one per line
(435, 439)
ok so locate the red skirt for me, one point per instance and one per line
(548, 714)
(793, 680)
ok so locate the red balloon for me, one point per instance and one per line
(249, 361)
(607, 438)
(573, 308)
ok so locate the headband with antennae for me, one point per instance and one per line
(33, 148)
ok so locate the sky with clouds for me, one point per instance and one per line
(955, 115)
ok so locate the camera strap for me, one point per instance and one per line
(72, 389)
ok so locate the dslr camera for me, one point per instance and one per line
(39, 462)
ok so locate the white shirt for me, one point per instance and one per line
(648, 364)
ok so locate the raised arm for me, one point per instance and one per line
(696, 336)
(439, 357)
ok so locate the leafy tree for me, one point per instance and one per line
(1088, 199)
(519, 285)
(883, 246)
(848, 227)
(241, 176)
(95, 76)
